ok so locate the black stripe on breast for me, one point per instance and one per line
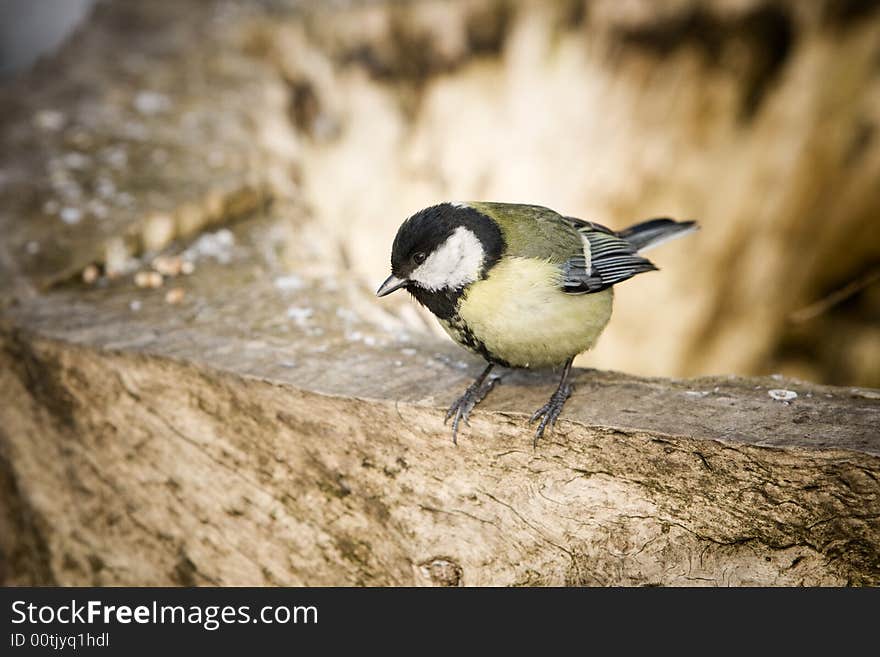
(466, 338)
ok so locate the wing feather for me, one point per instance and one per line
(610, 260)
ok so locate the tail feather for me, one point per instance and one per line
(653, 232)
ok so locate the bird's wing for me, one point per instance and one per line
(590, 256)
(606, 259)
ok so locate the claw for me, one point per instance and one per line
(550, 411)
(450, 412)
(461, 408)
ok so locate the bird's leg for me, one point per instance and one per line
(551, 410)
(474, 394)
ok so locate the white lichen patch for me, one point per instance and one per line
(97, 209)
(76, 160)
(49, 120)
(135, 131)
(782, 395)
(218, 246)
(115, 156)
(289, 283)
(105, 187)
(347, 315)
(71, 215)
(151, 102)
(300, 315)
(363, 338)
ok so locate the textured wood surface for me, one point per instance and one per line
(272, 422)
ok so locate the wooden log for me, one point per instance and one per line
(264, 420)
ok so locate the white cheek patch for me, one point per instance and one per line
(454, 264)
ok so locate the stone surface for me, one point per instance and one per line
(276, 424)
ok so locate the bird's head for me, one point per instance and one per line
(443, 249)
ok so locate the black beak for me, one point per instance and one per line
(391, 283)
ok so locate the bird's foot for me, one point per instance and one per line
(550, 411)
(461, 408)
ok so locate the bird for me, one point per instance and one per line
(520, 285)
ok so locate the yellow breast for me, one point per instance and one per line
(521, 315)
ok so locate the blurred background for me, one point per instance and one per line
(759, 119)
(30, 28)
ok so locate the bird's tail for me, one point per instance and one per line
(649, 234)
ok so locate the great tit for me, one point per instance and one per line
(520, 285)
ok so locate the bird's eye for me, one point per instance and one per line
(419, 257)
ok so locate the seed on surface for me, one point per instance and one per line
(90, 274)
(168, 265)
(175, 295)
(151, 279)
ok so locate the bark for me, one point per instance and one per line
(277, 425)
